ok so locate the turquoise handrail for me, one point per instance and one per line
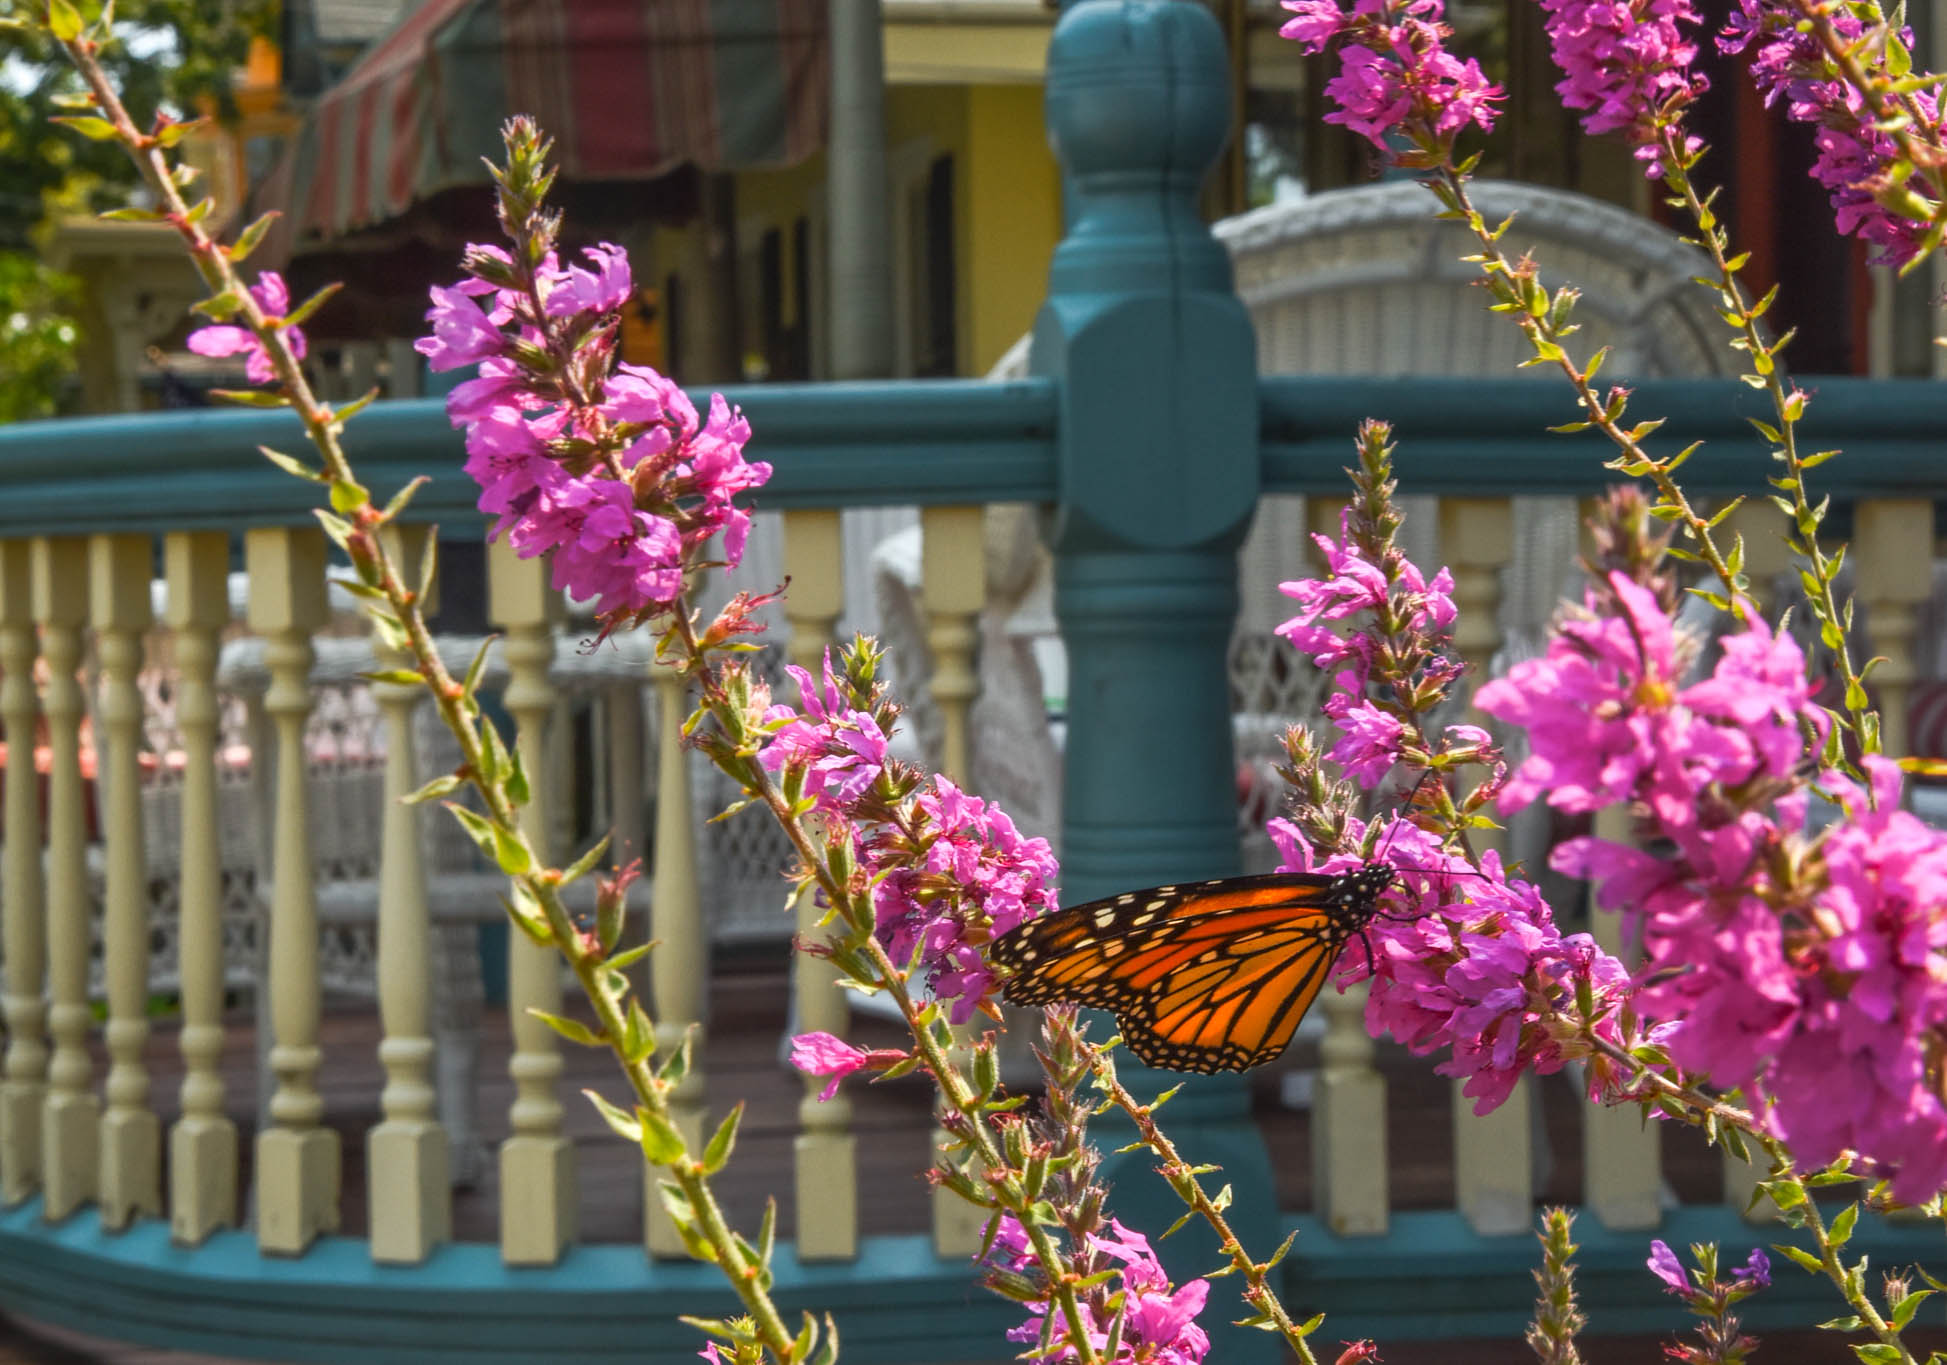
(930, 442)
(1487, 437)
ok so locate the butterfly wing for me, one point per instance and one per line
(1210, 976)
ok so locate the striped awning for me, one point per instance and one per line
(628, 90)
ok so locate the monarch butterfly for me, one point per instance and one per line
(1205, 976)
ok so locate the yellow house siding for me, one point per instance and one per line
(1007, 217)
(1011, 217)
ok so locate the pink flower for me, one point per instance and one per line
(623, 542)
(840, 750)
(1856, 160)
(602, 289)
(462, 334)
(1663, 1263)
(994, 880)
(1371, 743)
(1474, 963)
(820, 1054)
(1159, 1322)
(1396, 76)
(274, 299)
(1354, 587)
(1629, 63)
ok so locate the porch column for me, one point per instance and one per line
(856, 207)
(1159, 473)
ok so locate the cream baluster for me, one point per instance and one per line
(1622, 1159)
(825, 1150)
(70, 1116)
(679, 968)
(298, 1173)
(203, 1142)
(1493, 1153)
(23, 909)
(1893, 548)
(537, 1163)
(120, 568)
(953, 588)
(1349, 1176)
(1349, 1173)
(407, 1158)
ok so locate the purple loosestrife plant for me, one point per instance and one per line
(358, 526)
(1845, 70)
(1396, 76)
(224, 339)
(1777, 957)
(1720, 1341)
(608, 469)
(1466, 958)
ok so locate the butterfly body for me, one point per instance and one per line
(1201, 976)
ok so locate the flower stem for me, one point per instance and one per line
(1258, 1292)
(1547, 341)
(856, 909)
(1786, 409)
(1850, 1283)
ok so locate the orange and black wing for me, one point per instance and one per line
(1210, 976)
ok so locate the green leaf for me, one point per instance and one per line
(628, 957)
(290, 464)
(1803, 1257)
(828, 1353)
(572, 1029)
(662, 1143)
(624, 1124)
(63, 20)
(310, 306)
(639, 1033)
(1904, 1310)
(1849, 1323)
(476, 826)
(345, 414)
(717, 1154)
(89, 126)
(472, 681)
(1879, 1353)
(133, 215)
(429, 565)
(585, 864)
(348, 495)
(404, 495)
(684, 1218)
(1843, 1224)
(516, 784)
(527, 916)
(219, 307)
(252, 398)
(398, 677)
(248, 240)
(439, 786)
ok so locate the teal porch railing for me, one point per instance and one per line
(1149, 435)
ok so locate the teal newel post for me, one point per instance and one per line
(1159, 476)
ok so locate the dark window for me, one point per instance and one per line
(673, 324)
(934, 330)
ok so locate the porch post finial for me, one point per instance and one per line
(1159, 474)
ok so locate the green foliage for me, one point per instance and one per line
(37, 338)
(170, 53)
